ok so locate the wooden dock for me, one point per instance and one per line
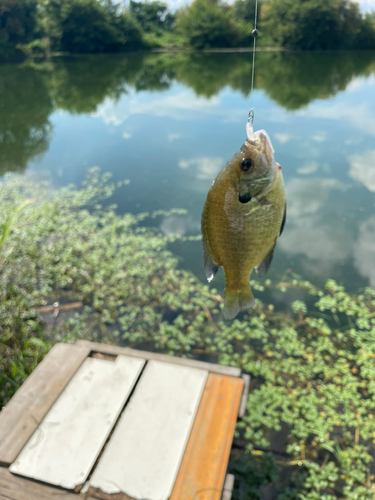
(95, 421)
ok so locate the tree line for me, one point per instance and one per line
(93, 26)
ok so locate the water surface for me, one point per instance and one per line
(169, 123)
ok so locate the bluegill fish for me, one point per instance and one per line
(243, 216)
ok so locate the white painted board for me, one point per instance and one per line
(143, 456)
(65, 446)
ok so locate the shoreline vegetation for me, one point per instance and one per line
(311, 362)
(177, 50)
(30, 28)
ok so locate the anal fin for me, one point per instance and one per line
(262, 269)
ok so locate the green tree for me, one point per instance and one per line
(366, 36)
(17, 25)
(350, 23)
(244, 10)
(206, 23)
(243, 13)
(317, 24)
(302, 24)
(152, 16)
(87, 26)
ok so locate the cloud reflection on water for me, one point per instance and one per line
(364, 250)
(362, 169)
(181, 106)
(204, 168)
(309, 232)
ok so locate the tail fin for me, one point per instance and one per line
(237, 301)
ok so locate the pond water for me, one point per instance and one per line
(169, 123)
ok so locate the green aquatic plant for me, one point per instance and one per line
(309, 429)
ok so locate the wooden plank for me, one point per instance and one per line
(228, 487)
(18, 488)
(245, 395)
(67, 443)
(144, 453)
(22, 415)
(99, 495)
(201, 365)
(203, 467)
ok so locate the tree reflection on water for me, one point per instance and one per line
(29, 94)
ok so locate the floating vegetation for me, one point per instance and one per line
(310, 352)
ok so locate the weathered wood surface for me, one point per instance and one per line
(143, 456)
(18, 488)
(59, 307)
(245, 395)
(97, 494)
(22, 415)
(65, 446)
(228, 487)
(210, 367)
(203, 467)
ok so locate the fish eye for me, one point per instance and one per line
(247, 164)
(244, 198)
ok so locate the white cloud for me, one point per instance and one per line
(112, 112)
(182, 106)
(173, 137)
(307, 232)
(367, 5)
(179, 225)
(206, 168)
(307, 196)
(319, 137)
(362, 169)
(185, 163)
(308, 168)
(283, 138)
(317, 242)
(360, 83)
(364, 250)
(125, 135)
(359, 116)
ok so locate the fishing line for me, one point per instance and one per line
(250, 117)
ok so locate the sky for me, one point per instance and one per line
(366, 5)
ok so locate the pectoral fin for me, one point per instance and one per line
(210, 268)
(262, 269)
